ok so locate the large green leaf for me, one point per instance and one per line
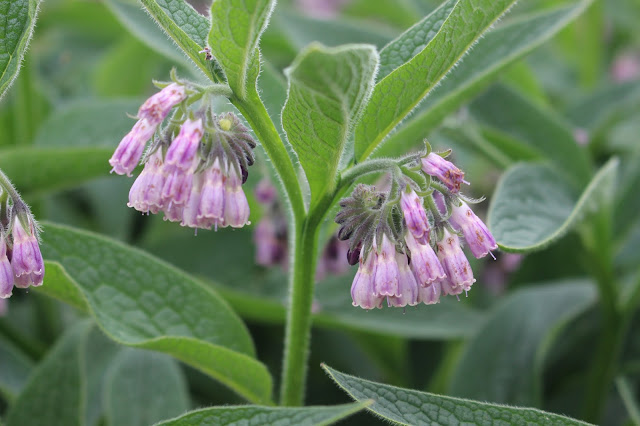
(534, 205)
(410, 407)
(494, 52)
(538, 128)
(525, 322)
(143, 302)
(252, 415)
(18, 18)
(185, 26)
(328, 88)
(144, 387)
(396, 95)
(236, 27)
(35, 171)
(414, 40)
(16, 367)
(54, 394)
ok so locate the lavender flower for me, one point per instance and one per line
(407, 285)
(212, 198)
(236, 207)
(6, 272)
(145, 194)
(183, 150)
(386, 277)
(363, 288)
(150, 115)
(434, 165)
(415, 216)
(26, 259)
(430, 295)
(475, 232)
(455, 264)
(424, 262)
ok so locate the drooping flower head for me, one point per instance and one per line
(26, 259)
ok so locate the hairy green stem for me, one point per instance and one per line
(298, 326)
(7, 186)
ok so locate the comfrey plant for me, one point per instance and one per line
(21, 263)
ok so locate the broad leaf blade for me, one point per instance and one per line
(328, 88)
(489, 56)
(185, 26)
(536, 127)
(16, 367)
(396, 95)
(144, 387)
(54, 394)
(236, 27)
(18, 18)
(143, 302)
(255, 415)
(410, 407)
(414, 40)
(525, 321)
(533, 205)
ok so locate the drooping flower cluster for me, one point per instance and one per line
(407, 253)
(21, 263)
(194, 167)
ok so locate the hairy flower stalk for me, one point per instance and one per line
(390, 234)
(21, 263)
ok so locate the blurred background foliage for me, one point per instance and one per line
(92, 62)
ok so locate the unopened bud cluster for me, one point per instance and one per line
(194, 167)
(21, 263)
(407, 240)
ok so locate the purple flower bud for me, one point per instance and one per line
(475, 232)
(430, 295)
(446, 171)
(386, 277)
(407, 285)
(415, 216)
(128, 153)
(146, 192)
(455, 264)
(269, 250)
(26, 259)
(182, 152)
(424, 262)
(212, 198)
(265, 192)
(362, 289)
(353, 255)
(236, 207)
(6, 272)
(157, 107)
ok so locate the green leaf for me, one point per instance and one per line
(396, 95)
(142, 302)
(628, 398)
(144, 387)
(526, 322)
(410, 43)
(16, 367)
(410, 407)
(236, 28)
(484, 62)
(254, 415)
(54, 394)
(99, 355)
(35, 171)
(538, 128)
(534, 205)
(598, 109)
(18, 18)
(328, 88)
(185, 26)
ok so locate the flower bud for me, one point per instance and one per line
(182, 152)
(26, 259)
(455, 264)
(157, 107)
(415, 216)
(6, 272)
(475, 232)
(129, 151)
(434, 165)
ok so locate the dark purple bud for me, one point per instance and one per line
(353, 255)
